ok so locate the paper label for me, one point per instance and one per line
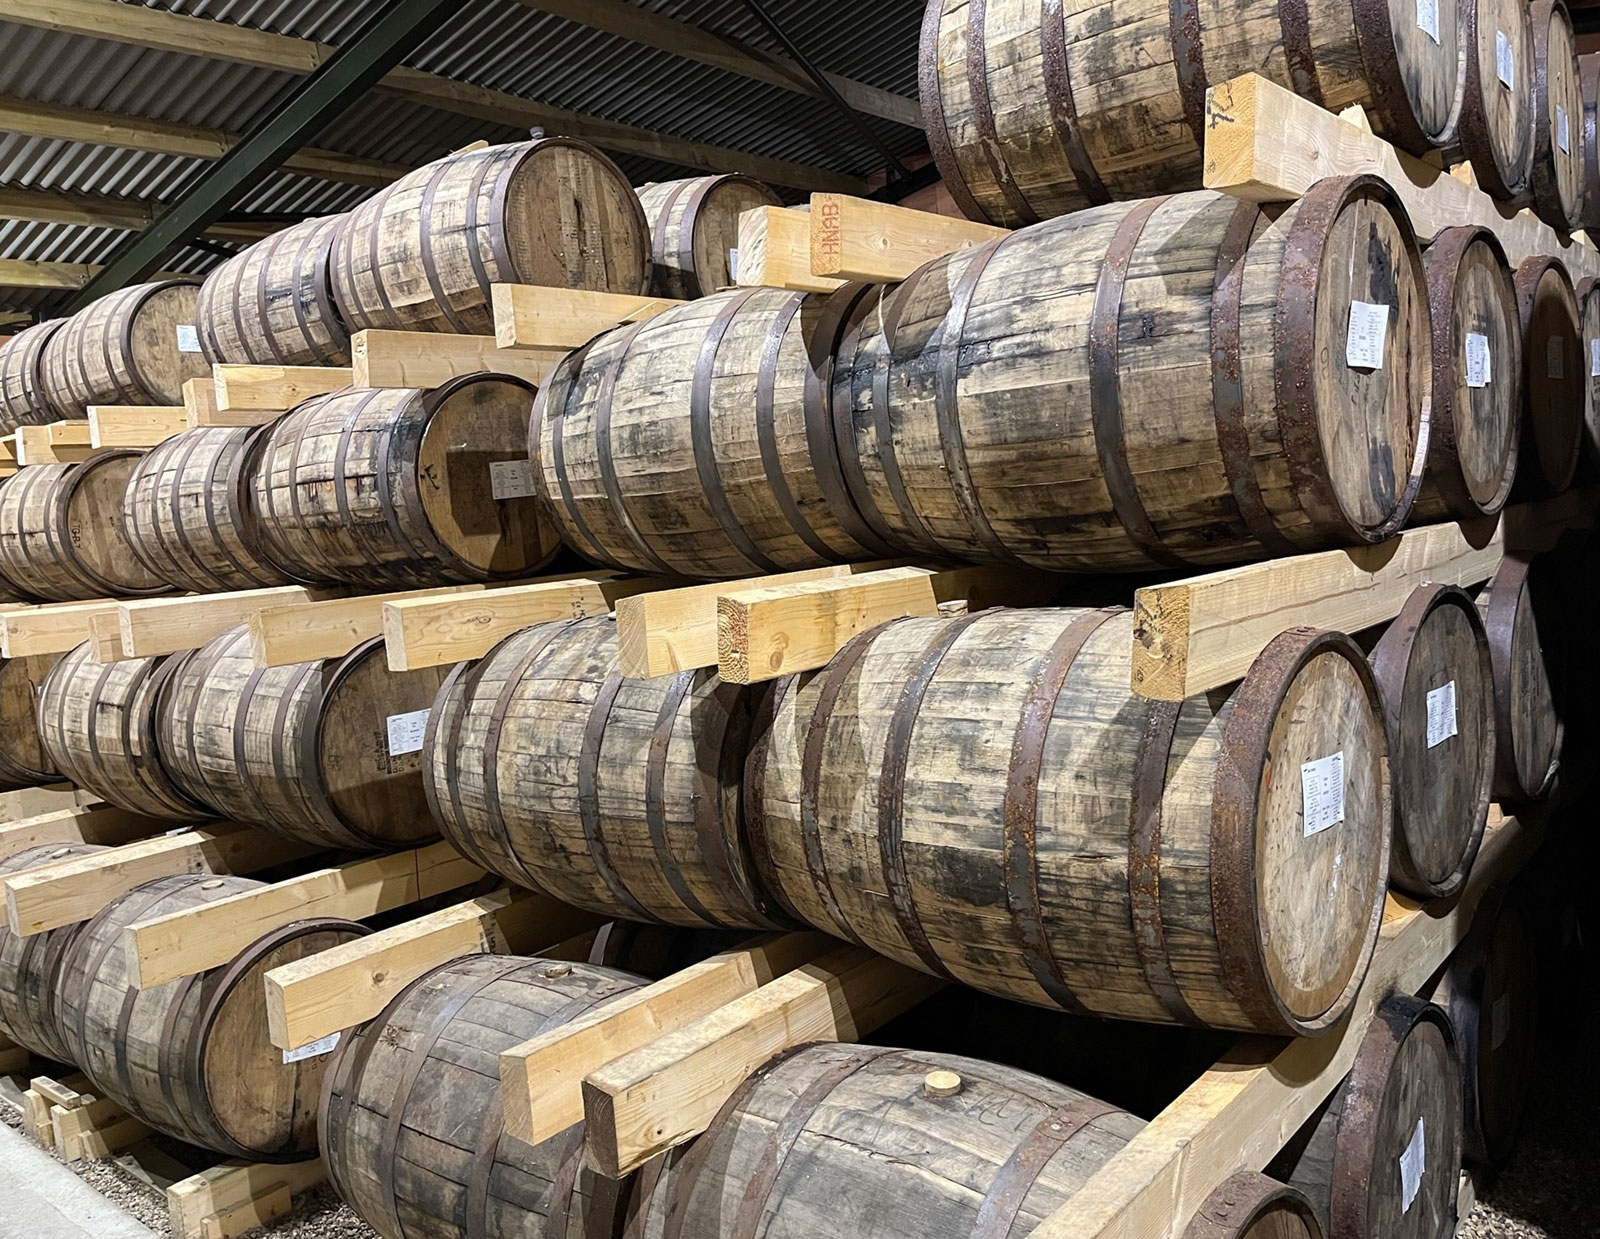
(188, 338)
(1478, 364)
(1505, 64)
(1499, 1021)
(1363, 345)
(1594, 359)
(319, 1047)
(1322, 788)
(1412, 1164)
(1563, 133)
(1428, 18)
(1555, 366)
(406, 732)
(511, 479)
(733, 266)
(1441, 714)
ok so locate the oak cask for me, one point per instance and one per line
(1529, 655)
(1497, 104)
(1248, 1205)
(694, 231)
(1558, 171)
(1555, 379)
(137, 345)
(23, 396)
(24, 761)
(29, 966)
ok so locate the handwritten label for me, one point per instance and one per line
(1563, 133)
(1441, 714)
(1500, 1021)
(1322, 790)
(1479, 366)
(1428, 18)
(1594, 359)
(406, 732)
(188, 338)
(1505, 64)
(1555, 362)
(1412, 1164)
(511, 479)
(319, 1047)
(733, 266)
(1363, 345)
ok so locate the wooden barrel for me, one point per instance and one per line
(29, 966)
(325, 752)
(97, 722)
(1034, 111)
(654, 456)
(1490, 990)
(191, 1058)
(1383, 1159)
(1528, 655)
(137, 345)
(694, 231)
(421, 255)
(24, 761)
(1558, 172)
(1476, 418)
(188, 515)
(546, 766)
(272, 304)
(412, 1129)
(1025, 864)
(1589, 86)
(1588, 294)
(1496, 129)
(1436, 682)
(1157, 384)
(1553, 428)
(394, 488)
(23, 399)
(62, 535)
(840, 1139)
(1252, 1206)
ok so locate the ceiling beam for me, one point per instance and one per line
(162, 137)
(33, 273)
(200, 36)
(52, 206)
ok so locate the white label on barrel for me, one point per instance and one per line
(1594, 359)
(1500, 1020)
(1412, 1163)
(511, 479)
(406, 731)
(1322, 787)
(1478, 365)
(1441, 714)
(1555, 365)
(1428, 18)
(1505, 65)
(1363, 344)
(733, 266)
(188, 338)
(1563, 134)
(319, 1047)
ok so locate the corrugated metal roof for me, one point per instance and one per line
(503, 45)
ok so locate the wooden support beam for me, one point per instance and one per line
(49, 206)
(105, 638)
(765, 633)
(154, 626)
(69, 891)
(270, 389)
(429, 632)
(95, 1129)
(351, 983)
(98, 823)
(59, 443)
(200, 408)
(329, 628)
(52, 628)
(858, 239)
(541, 1080)
(232, 1194)
(530, 317)
(429, 358)
(207, 936)
(130, 425)
(775, 251)
(667, 1092)
(35, 273)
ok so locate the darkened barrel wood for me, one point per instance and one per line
(410, 1120)
(984, 798)
(1251, 1206)
(62, 531)
(1476, 419)
(694, 231)
(1553, 426)
(1588, 293)
(1157, 384)
(392, 488)
(97, 722)
(23, 397)
(700, 442)
(272, 304)
(1558, 172)
(1382, 1160)
(546, 766)
(325, 752)
(1497, 106)
(134, 346)
(192, 1057)
(1436, 681)
(1589, 87)
(29, 965)
(1034, 111)
(422, 255)
(1527, 649)
(24, 762)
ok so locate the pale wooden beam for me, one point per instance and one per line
(59, 443)
(52, 628)
(256, 389)
(200, 408)
(858, 239)
(428, 358)
(50, 206)
(34, 273)
(526, 316)
(130, 425)
(166, 625)
(330, 628)
(236, 1192)
(775, 251)
(97, 823)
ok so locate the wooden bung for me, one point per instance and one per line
(133, 346)
(30, 965)
(23, 397)
(694, 231)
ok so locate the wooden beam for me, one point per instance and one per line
(257, 389)
(765, 633)
(52, 628)
(68, 891)
(1267, 144)
(430, 632)
(200, 408)
(105, 638)
(183, 943)
(775, 251)
(428, 358)
(233, 1188)
(166, 625)
(50, 206)
(527, 316)
(330, 628)
(541, 1080)
(59, 443)
(97, 823)
(130, 425)
(94, 1130)
(667, 1092)
(351, 983)
(34, 273)
(858, 239)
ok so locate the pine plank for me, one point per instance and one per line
(428, 358)
(858, 239)
(255, 389)
(526, 317)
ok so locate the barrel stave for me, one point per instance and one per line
(126, 348)
(272, 303)
(24, 400)
(29, 966)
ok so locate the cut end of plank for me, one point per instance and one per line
(733, 641)
(1161, 642)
